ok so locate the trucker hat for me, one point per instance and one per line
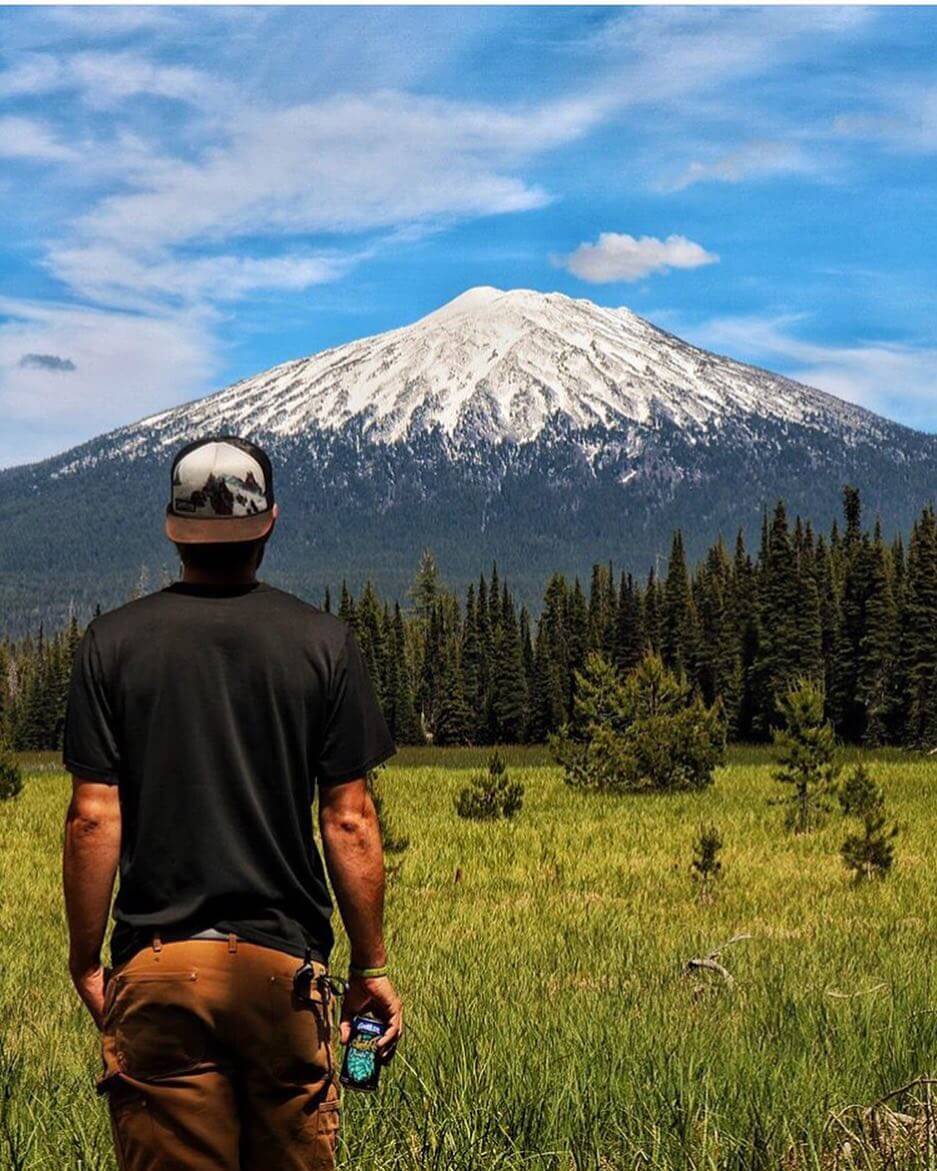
(221, 490)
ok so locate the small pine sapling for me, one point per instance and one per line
(11, 775)
(490, 795)
(807, 755)
(870, 853)
(706, 865)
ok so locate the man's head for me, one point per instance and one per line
(221, 508)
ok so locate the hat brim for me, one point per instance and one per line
(195, 530)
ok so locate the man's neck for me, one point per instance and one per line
(205, 577)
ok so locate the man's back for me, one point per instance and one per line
(217, 709)
(201, 720)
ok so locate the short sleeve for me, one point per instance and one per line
(90, 749)
(356, 737)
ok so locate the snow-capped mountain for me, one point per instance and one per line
(495, 366)
(540, 430)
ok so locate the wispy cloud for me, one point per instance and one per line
(754, 160)
(147, 280)
(619, 257)
(901, 117)
(30, 139)
(103, 78)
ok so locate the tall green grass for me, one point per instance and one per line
(550, 1022)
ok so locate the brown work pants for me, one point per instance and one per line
(211, 1062)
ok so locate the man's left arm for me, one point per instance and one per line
(89, 864)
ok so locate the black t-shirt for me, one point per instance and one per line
(217, 710)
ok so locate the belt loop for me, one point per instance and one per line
(232, 942)
(157, 942)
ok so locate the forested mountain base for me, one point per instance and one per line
(850, 610)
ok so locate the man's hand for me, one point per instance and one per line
(89, 983)
(378, 997)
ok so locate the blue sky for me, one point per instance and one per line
(192, 195)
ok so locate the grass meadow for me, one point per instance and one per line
(550, 1021)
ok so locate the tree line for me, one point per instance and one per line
(849, 609)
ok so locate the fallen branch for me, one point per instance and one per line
(918, 1081)
(710, 962)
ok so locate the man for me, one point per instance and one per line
(202, 719)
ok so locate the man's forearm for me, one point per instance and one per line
(90, 858)
(351, 840)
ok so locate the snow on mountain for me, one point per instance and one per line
(492, 366)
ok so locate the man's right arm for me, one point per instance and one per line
(351, 840)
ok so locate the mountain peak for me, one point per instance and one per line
(497, 365)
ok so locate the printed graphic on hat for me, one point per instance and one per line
(218, 479)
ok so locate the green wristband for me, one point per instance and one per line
(367, 973)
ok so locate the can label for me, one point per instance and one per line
(361, 1069)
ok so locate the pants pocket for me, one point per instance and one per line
(300, 1041)
(155, 1022)
(329, 1116)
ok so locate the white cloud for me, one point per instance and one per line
(26, 138)
(664, 53)
(903, 118)
(754, 160)
(349, 163)
(894, 379)
(103, 78)
(144, 280)
(125, 365)
(620, 257)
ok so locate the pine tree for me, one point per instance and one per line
(547, 694)
(743, 602)
(527, 654)
(706, 865)
(426, 586)
(921, 603)
(472, 668)
(806, 748)
(346, 607)
(809, 618)
(509, 700)
(780, 660)
(553, 657)
(629, 639)
(370, 634)
(849, 715)
(482, 707)
(653, 615)
(646, 732)
(453, 720)
(679, 617)
(877, 645)
(491, 795)
(403, 720)
(868, 854)
(428, 689)
(578, 634)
